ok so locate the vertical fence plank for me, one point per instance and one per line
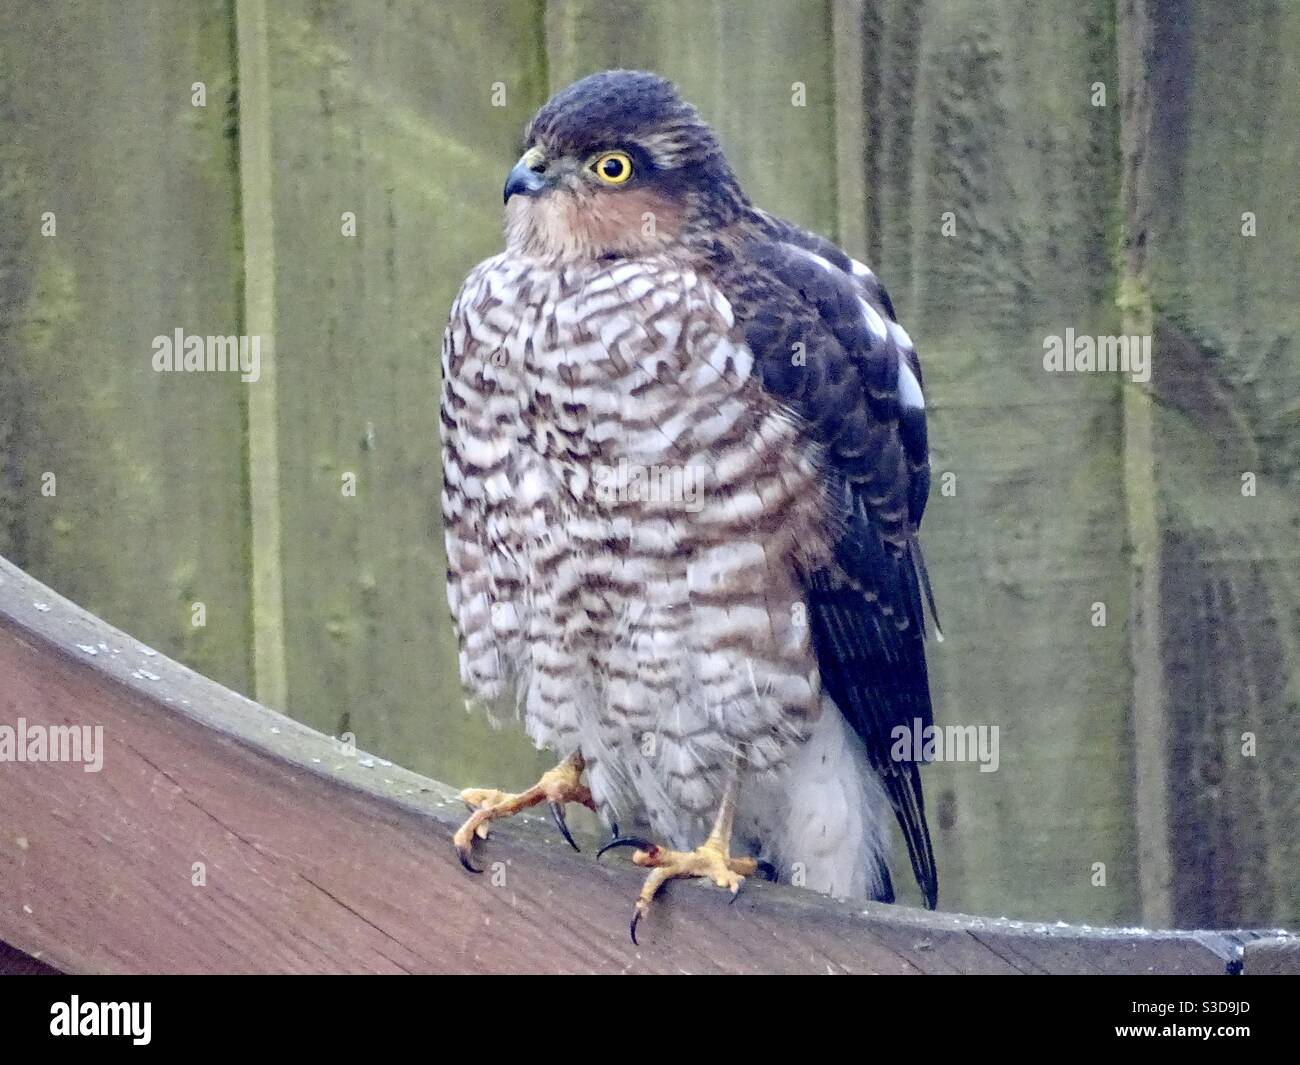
(148, 514)
(993, 190)
(256, 167)
(852, 30)
(383, 115)
(1224, 250)
(1147, 628)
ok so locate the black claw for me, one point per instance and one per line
(463, 855)
(636, 917)
(625, 841)
(765, 869)
(557, 815)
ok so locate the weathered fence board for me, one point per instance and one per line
(991, 204)
(148, 514)
(391, 119)
(1224, 244)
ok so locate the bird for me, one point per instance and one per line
(685, 463)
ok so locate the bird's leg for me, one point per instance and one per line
(712, 859)
(557, 786)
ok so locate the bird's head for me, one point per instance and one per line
(617, 164)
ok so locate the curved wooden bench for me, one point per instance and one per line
(221, 836)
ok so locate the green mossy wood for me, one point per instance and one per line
(1222, 221)
(867, 120)
(148, 514)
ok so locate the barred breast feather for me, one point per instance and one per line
(628, 510)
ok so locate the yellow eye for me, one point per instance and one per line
(613, 168)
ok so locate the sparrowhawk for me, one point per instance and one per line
(685, 462)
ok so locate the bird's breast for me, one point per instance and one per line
(650, 505)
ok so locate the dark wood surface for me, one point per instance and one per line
(1272, 956)
(318, 860)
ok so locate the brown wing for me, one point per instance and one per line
(826, 344)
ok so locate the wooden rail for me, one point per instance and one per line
(220, 836)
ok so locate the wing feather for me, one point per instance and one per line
(828, 346)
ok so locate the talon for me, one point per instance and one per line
(463, 853)
(625, 841)
(764, 868)
(557, 815)
(557, 786)
(710, 861)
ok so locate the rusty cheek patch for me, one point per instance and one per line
(588, 223)
(631, 219)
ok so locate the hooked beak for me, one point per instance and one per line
(527, 178)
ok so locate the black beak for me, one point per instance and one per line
(524, 180)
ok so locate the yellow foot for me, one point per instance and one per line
(557, 786)
(710, 861)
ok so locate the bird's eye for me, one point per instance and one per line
(613, 168)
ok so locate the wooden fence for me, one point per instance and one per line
(1012, 170)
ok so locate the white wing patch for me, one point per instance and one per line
(909, 389)
(821, 261)
(875, 324)
(900, 337)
